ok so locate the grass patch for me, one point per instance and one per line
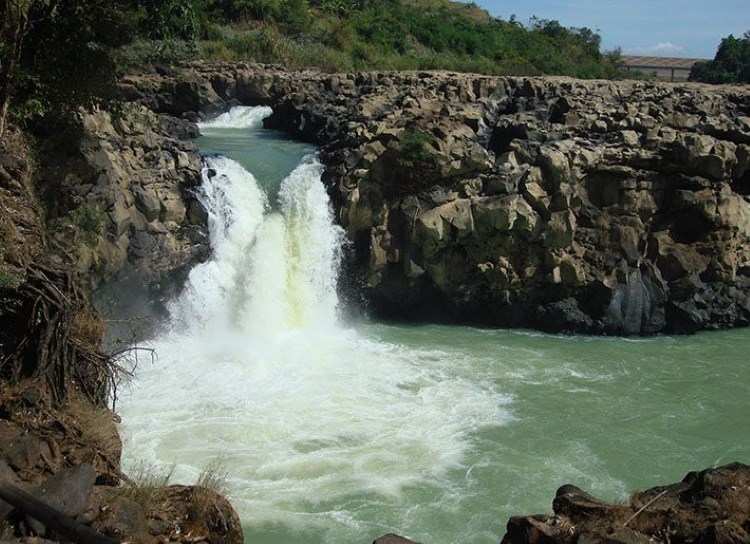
(9, 279)
(86, 221)
(146, 483)
(95, 424)
(211, 482)
(214, 477)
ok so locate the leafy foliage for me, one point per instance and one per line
(415, 164)
(730, 65)
(415, 151)
(398, 34)
(58, 55)
(89, 221)
(9, 279)
(169, 20)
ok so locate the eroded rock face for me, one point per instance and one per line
(58, 441)
(123, 196)
(564, 205)
(580, 206)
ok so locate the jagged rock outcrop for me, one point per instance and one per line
(121, 198)
(582, 206)
(712, 505)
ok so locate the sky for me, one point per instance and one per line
(666, 28)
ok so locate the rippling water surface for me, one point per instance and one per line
(340, 432)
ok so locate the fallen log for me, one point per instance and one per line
(53, 519)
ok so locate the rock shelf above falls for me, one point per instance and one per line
(564, 205)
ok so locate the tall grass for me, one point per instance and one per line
(343, 35)
(146, 481)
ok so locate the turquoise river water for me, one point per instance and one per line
(338, 432)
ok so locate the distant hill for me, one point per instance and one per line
(345, 35)
(59, 56)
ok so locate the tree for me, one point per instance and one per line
(170, 19)
(730, 65)
(15, 21)
(56, 55)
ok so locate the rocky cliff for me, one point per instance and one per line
(564, 205)
(58, 439)
(119, 200)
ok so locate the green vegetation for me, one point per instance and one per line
(213, 480)
(730, 65)
(8, 279)
(6, 234)
(56, 56)
(402, 35)
(87, 221)
(146, 484)
(214, 477)
(416, 151)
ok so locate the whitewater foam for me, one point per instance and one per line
(239, 117)
(255, 370)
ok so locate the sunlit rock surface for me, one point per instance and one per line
(564, 205)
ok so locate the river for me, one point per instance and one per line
(333, 431)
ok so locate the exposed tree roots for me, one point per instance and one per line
(52, 336)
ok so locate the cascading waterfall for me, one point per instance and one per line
(335, 432)
(271, 271)
(254, 371)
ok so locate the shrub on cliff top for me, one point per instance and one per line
(400, 34)
(416, 163)
(415, 150)
(730, 65)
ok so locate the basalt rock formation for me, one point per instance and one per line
(711, 506)
(120, 203)
(563, 205)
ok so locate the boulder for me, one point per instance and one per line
(707, 506)
(66, 491)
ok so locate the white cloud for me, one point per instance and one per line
(661, 49)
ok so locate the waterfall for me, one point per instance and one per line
(255, 371)
(271, 271)
(239, 117)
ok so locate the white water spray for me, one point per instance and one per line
(239, 117)
(256, 372)
(270, 271)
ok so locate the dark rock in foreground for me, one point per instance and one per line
(711, 506)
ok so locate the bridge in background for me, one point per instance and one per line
(667, 68)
